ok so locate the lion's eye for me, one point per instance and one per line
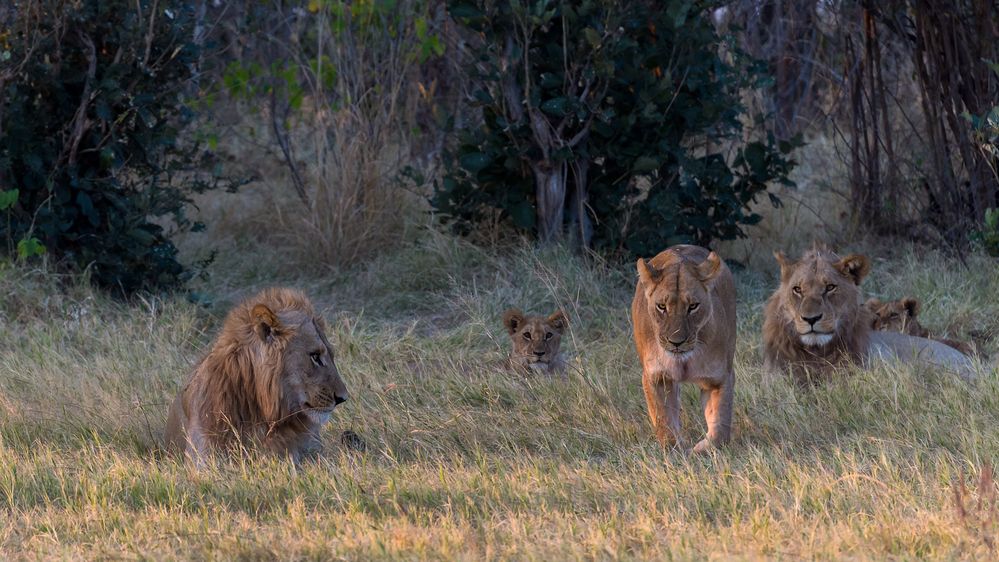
(548, 336)
(893, 315)
(693, 307)
(317, 358)
(796, 290)
(661, 307)
(527, 335)
(830, 288)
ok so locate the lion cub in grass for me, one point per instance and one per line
(268, 380)
(536, 341)
(900, 316)
(684, 321)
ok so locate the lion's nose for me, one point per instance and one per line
(339, 399)
(539, 353)
(676, 343)
(812, 319)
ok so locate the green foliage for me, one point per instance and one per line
(988, 234)
(30, 247)
(371, 25)
(7, 199)
(92, 110)
(26, 247)
(652, 105)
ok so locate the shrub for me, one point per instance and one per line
(340, 85)
(607, 121)
(92, 105)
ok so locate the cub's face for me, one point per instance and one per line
(895, 316)
(678, 300)
(536, 340)
(310, 381)
(819, 294)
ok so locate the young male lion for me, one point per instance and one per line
(684, 322)
(536, 341)
(900, 316)
(814, 321)
(269, 379)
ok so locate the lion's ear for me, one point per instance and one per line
(709, 268)
(513, 319)
(786, 266)
(872, 303)
(911, 306)
(558, 320)
(854, 266)
(265, 323)
(647, 273)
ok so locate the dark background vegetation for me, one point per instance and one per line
(619, 127)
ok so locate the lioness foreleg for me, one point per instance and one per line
(663, 399)
(717, 403)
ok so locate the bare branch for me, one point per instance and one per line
(80, 121)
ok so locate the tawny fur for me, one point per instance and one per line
(901, 316)
(536, 341)
(684, 321)
(269, 379)
(823, 286)
(844, 320)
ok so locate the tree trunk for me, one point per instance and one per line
(580, 226)
(550, 185)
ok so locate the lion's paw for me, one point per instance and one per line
(703, 446)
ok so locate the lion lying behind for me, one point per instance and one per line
(900, 316)
(269, 379)
(814, 321)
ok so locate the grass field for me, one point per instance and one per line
(468, 462)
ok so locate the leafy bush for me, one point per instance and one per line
(91, 107)
(988, 233)
(606, 120)
(343, 84)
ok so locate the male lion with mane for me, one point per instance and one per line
(814, 321)
(269, 379)
(684, 321)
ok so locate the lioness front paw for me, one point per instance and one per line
(703, 446)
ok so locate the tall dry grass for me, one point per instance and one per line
(329, 112)
(466, 461)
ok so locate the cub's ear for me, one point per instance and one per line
(709, 268)
(558, 321)
(265, 323)
(854, 266)
(647, 273)
(786, 266)
(872, 303)
(513, 319)
(911, 306)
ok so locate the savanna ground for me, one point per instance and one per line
(466, 461)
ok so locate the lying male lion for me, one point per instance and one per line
(684, 321)
(269, 379)
(536, 341)
(900, 316)
(814, 321)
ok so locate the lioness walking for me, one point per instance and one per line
(684, 320)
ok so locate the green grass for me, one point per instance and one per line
(468, 462)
